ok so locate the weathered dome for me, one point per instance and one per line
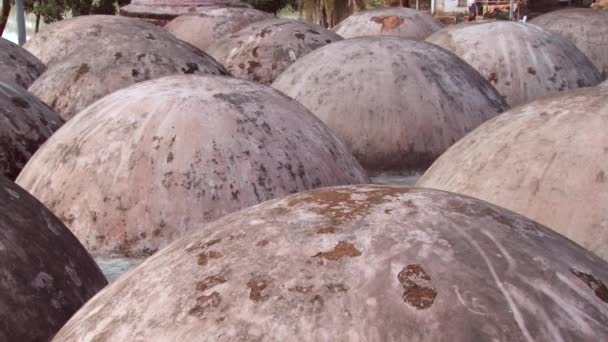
(397, 115)
(393, 21)
(545, 160)
(203, 29)
(18, 66)
(25, 124)
(585, 27)
(45, 273)
(160, 12)
(123, 52)
(134, 170)
(263, 50)
(364, 263)
(522, 61)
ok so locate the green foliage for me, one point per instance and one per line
(55, 10)
(272, 6)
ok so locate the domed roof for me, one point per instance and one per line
(398, 115)
(161, 12)
(25, 124)
(392, 21)
(363, 263)
(523, 62)
(18, 66)
(117, 53)
(145, 164)
(545, 160)
(45, 273)
(203, 29)
(585, 27)
(263, 50)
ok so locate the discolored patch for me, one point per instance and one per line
(83, 69)
(342, 250)
(301, 289)
(262, 243)
(336, 288)
(326, 230)
(388, 23)
(339, 207)
(206, 303)
(493, 78)
(531, 71)
(20, 102)
(419, 291)
(204, 257)
(598, 287)
(258, 285)
(210, 282)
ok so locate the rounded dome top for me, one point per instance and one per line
(162, 11)
(523, 62)
(46, 274)
(398, 115)
(585, 27)
(392, 21)
(117, 53)
(145, 164)
(203, 29)
(263, 50)
(25, 124)
(545, 160)
(365, 263)
(18, 66)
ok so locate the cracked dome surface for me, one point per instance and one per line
(92, 56)
(524, 62)
(45, 273)
(17, 65)
(398, 115)
(358, 263)
(545, 160)
(144, 165)
(263, 50)
(25, 124)
(393, 21)
(204, 29)
(587, 28)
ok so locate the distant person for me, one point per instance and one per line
(473, 11)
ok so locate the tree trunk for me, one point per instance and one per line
(6, 10)
(37, 23)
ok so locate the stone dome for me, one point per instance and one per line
(18, 66)
(160, 12)
(523, 62)
(137, 168)
(398, 115)
(121, 52)
(365, 263)
(25, 124)
(45, 273)
(585, 27)
(263, 50)
(393, 21)
(545, 160)
(203, 29)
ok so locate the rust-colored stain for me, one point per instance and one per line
(419, 291)
(204, 257)
(210, 282)
(342, 250)
(338, 206)
(258, 284)
(493, 78)
(598, 287)
(326, 230)
(388, 23)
